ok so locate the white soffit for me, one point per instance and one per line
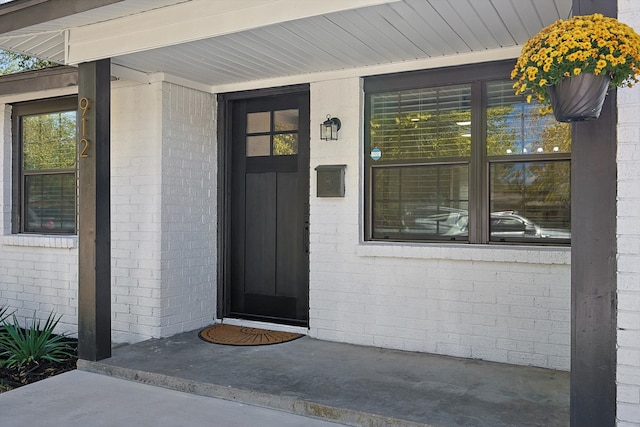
(191, 21)
(401, 32)
(47, 40)
(228, 42)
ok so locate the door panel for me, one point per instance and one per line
(260, 243)
(268, 241)
(289, 239)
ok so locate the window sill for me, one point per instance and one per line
(467, 252)
(41, 241)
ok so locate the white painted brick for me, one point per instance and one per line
(629, 301)
(515, 345)
(479, 320)
(528, 335)
(629, 338)
(491, 309)
(478, 342)
(552, 349)
(629, 394)
(454, 350)
(520, 358)
(489, 353)
(558, 363)
(494, 332)
(628, 412)
(560, 316)
(628, 320)
(561, 339)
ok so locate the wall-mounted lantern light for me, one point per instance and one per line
(329, 128)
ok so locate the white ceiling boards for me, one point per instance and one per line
(215, 42)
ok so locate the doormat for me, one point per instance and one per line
(241, 335)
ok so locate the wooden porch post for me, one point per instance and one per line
(593, 258)
(94, 230)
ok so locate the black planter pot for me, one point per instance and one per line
(578, 98)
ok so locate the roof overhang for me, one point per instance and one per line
(215, 43)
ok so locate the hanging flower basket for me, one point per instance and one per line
(578, 98)
(577, 57)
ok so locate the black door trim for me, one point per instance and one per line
(224, 127)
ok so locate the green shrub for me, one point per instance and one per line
(34, 343)
(3, 313)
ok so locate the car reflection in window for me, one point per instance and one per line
(455, 222)
(48, 221)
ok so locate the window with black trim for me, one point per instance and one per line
(454, 155)
(44, 160)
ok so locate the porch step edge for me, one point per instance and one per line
(292, 405)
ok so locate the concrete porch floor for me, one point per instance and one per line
(349, 384)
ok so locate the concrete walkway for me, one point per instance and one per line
(347, 384)
(83, 399)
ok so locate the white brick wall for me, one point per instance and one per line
(163, 221)
(189, 165)
(163, 210)
(38, 274)
(136, 168)
(628, 281)
(502, 304)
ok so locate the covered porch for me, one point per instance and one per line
(231, 47)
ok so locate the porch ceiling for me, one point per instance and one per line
(361, 33)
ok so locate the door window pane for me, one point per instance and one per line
(259, 122)
(258, 145)
(282, 140)
(285, 144)
(285, 120)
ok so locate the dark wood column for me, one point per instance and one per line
(94, 230)
(593, 258)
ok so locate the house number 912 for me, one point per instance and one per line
(84, 142)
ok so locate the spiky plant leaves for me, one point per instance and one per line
(35, 343)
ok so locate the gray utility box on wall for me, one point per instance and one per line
(330, 180)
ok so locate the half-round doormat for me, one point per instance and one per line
(241, 335)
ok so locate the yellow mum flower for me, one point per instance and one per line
(582, 44)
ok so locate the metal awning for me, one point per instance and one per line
(216, 42)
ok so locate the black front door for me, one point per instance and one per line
(268, 216)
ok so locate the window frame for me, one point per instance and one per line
(19, 110)
(475, 75)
